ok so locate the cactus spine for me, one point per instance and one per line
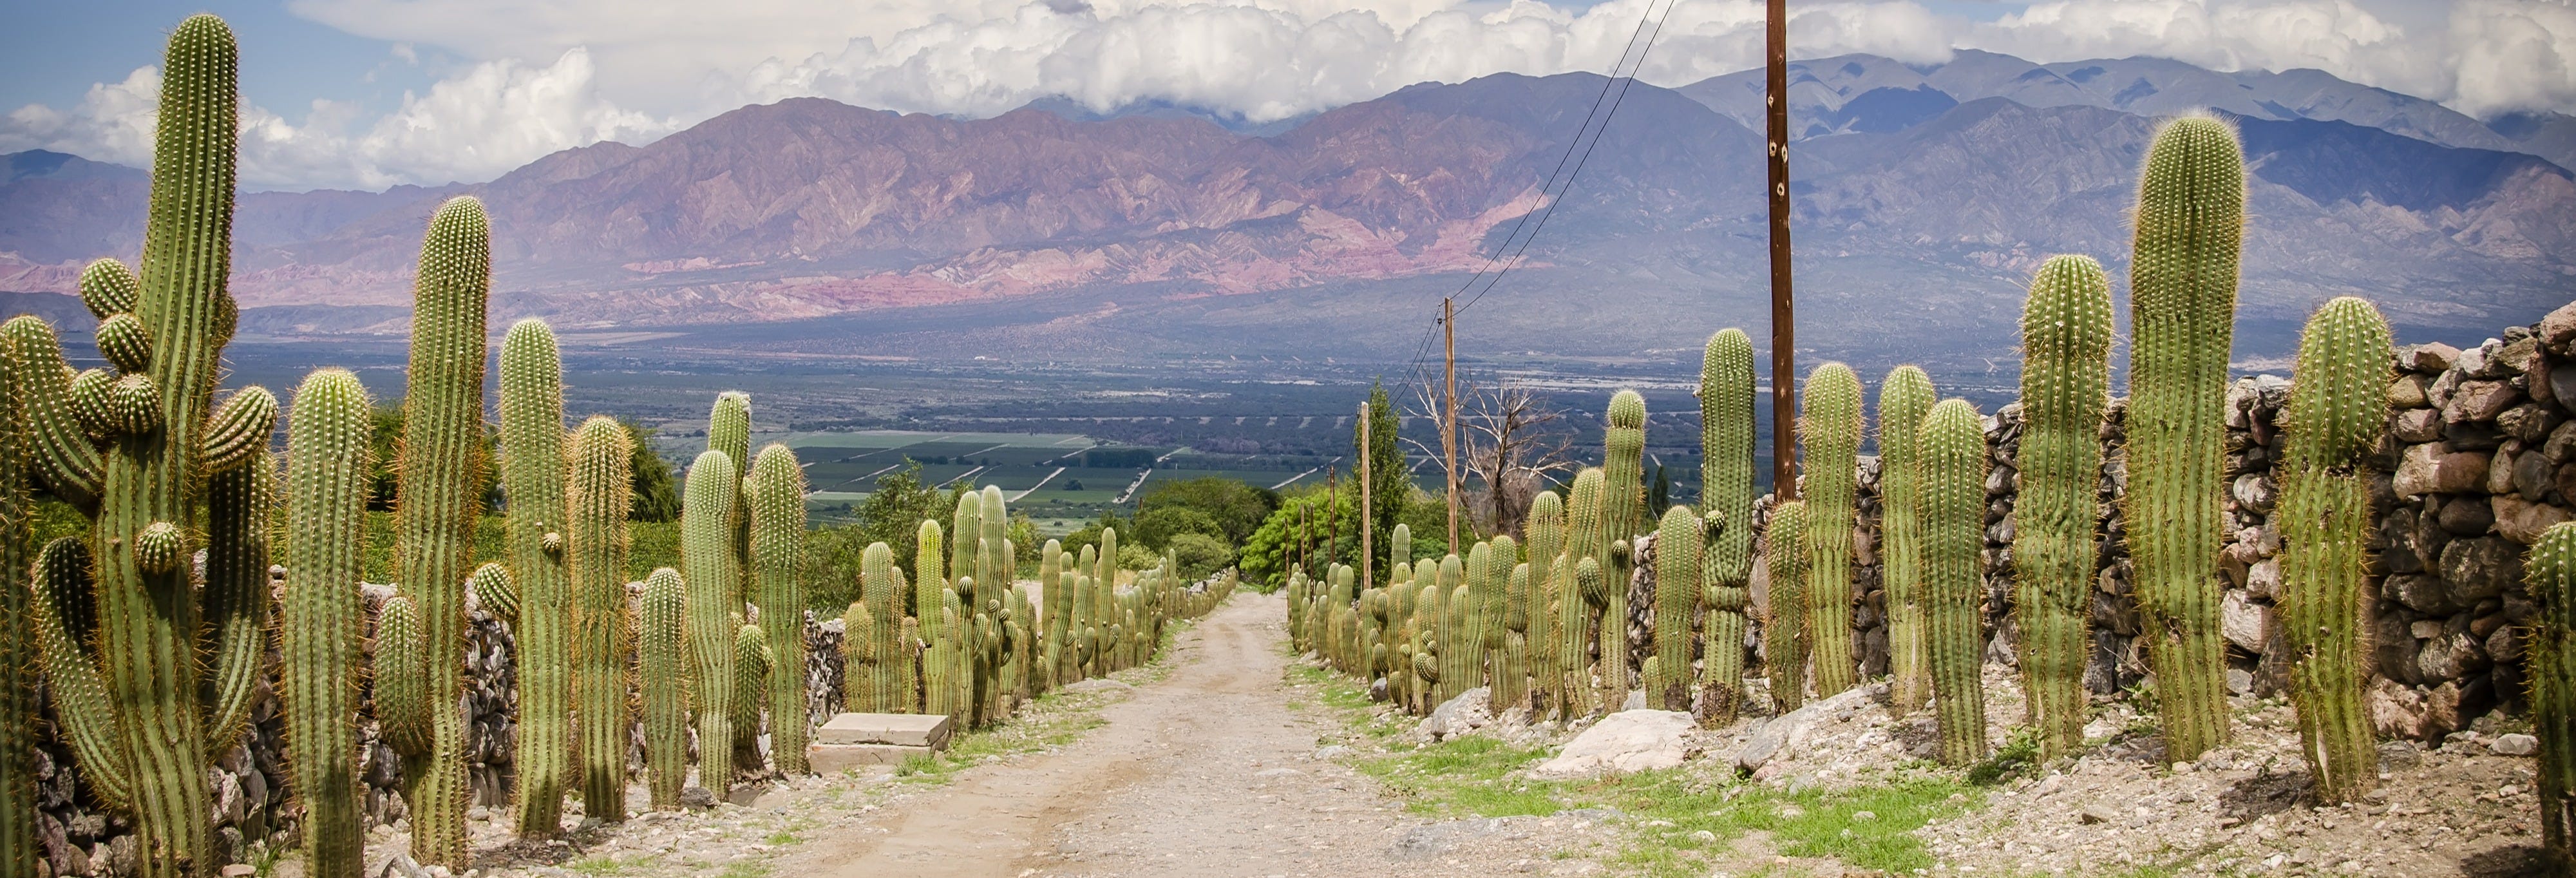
(1784, 627)
(318, 633)
(706, 550)
(777, 487)
(1623, 499)
(2065, 386)
(1677, 586)
(662, 650)
(2551, 573)
(532, 469)
(1903, 399)
(2182, 306)
(2337, 414)
(441, 470)
(1726, 503)
(599, 492)
(1830, 428)
(1953, 466)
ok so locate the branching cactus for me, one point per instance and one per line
(1677, 587)
(2551, 572)
(2337, 416)
(318, 644)
(2065, 387)
(706, 554)
(1953, 467)
(2190, 224)
(662, 651)
(1784, 626)
(1580, 608)
(1830, 428)
(533, 472)
(777, 488)
(1545, 529)
(1623, 501)
(1903, 399)
(1726, 503)
(600, 491)
(153, 673)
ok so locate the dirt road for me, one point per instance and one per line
(1207, 772)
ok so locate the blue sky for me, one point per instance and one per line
(369, 93)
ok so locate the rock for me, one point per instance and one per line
(2527, 422)
(1789, 730)
(2480, 401)
(1333, 751)
(2406, 392)
(1627, 741)
(2480, 568)
(2263, 580)
(2254, 491)
(2240, 681)
(2417, 425)
(2533, 476)
(2442, 710)
(2431, 357)
(2396, 710)
(2433, 468)
(239, 870)
(2096, 813)
(2243, 622)
(401, 866)
(1098, 684)
(696, 797)
(2514, 743)
(2522, 521)
(2562, 382)
(2557, 328)
(2395, 755)
(1457, 716)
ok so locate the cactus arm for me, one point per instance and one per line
(64, 459)
(598, 492)
(2065, 385)
(777, 489)
(2337, 413)
(1953, 466)
(401, 693)
(64, 611)
(321, 614)
(238, 428)
(2182, 305)
(236, 595)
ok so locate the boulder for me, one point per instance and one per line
(2558, 328)
(2407, 392)
(2243, 622)
(2522, 521)
(2480, 401)
(2396, 710)
(2480, 568)
(2433, 468)
(1789, 730)
(2431, 357)
(1468, 712)
(2416, 425)
(2514, 743)
(1627, 741)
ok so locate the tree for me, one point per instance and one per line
(893, 512)
(1234, 508)
(657, 495)
(1390, 476)
(1505, 442)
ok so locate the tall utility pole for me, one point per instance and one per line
(1784, 320)
(1368, 513)
(1332, 518)
(1449, 412)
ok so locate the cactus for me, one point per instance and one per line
(2551, 574)
(777, 488)
(317, 632)
(1579, 607)
(2336, 416)
(402, 682)
(1511, 668)
(706, 551)
(1483, 617)
(1903, 399)
(1830, 428)
(1953, 468)
(155, 674)
(598, 492)
(532, 471)
(1056, 591)
(1726, 504)
(20, 844)
(868, 646)
(930, 582)
(1623, 498)
(662, 650)
(1784, 626)
(1677, 592)
(1545, 530)
(751, 659)
(1462, 654)
(2065, 386)
(2182, 307)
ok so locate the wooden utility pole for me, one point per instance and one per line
(1332, 517)
(1784, 323)
(1368, 513)
(1449, 412)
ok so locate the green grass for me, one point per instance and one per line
(1480, 776)
(605, 865)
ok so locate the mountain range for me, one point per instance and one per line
(1924, 195)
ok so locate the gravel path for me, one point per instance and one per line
(1207, 772)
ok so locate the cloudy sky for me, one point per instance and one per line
(372, 93)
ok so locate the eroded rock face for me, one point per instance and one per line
(1624, 742)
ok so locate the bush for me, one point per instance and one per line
(1200, 555)
(1132, 558)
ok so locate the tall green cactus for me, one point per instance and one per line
(706, 551)
(1462, 654)
(21, 846)
(401, 679)
(157, 674)
(1511, 669)
(533, 472)
(777, 488)
(318, 647)
(599, 492)
(1057, 593)
(1677, 591)
(1623, 500)
(2337, 415)
(2551, 573)
(1545, 530)
(662, 653)
(868, 638)
(1580, 608)
(1830, 428)
(1484, 631)
(1784, 626)
(1953, 466)
(1726, 503)
(2190, 224)
(2065, 387)
(438, 499)
(751, 658)
(1903, 399)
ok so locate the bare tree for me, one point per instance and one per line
(1504, 443)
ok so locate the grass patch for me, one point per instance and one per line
(605, 865)
(1053, 720)
(1465, 776)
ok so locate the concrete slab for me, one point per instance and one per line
(904, 729)
(837, 758)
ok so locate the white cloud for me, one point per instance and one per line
(2513, 56)
(494, 116)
